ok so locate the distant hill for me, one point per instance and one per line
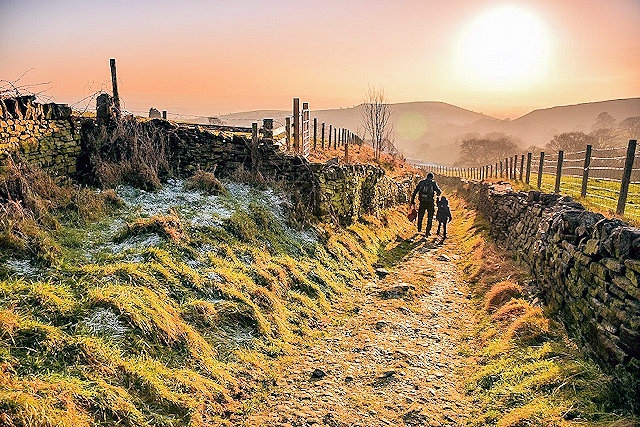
(432, 131)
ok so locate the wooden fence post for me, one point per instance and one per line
(626, 176)
(510, 160)
(287, 128)
(500, 169)
(521, 166)
(528, 175)
(296, 125)
(254, 146)
(585, 171)
(114, 84)
(330, 135)
(322, 136)
(346, 151)
(267, 131)
(315, 133)
(164, 114)
(559, 170)
(540, 169)
(515, 167)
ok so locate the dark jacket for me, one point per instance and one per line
(444, 213)
(423, 189)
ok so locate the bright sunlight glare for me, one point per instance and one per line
(505, 48)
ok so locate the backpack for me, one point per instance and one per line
(426, 191)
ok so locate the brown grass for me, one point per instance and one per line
(501, 293)
(205, 181)
(32, 204)
(130, 152)
(394, 166)
(168, 226)
(513, 309)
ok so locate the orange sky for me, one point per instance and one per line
(216, 57)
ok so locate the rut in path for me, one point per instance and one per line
(390, 355)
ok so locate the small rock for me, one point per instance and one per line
(348, 379)
(404, 310)
(382, 272)
(444, 258)
(397, 291)
(318, 373)
(388, 374)
(381, 324)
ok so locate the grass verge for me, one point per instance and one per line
(524, 370)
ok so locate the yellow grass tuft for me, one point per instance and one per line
(529, 327)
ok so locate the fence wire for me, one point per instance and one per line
(604, 174)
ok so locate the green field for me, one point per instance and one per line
(602, 195)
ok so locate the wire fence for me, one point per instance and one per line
(608, 178)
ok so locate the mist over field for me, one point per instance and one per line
(433, 131)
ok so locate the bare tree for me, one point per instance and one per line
(479, 151)
(570, 141)
(377, 118)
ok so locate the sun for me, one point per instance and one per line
(504, 48)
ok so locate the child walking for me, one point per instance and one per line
(444, 215)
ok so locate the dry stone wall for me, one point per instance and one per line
(43, 134)
(588, 267)
(48, 136)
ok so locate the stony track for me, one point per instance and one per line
(391, 353)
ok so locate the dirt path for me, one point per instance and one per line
(392, 354)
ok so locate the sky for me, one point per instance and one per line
(501, 58)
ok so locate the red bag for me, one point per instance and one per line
(412, 215)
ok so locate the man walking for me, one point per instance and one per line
(427, 189)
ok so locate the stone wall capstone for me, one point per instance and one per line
(588, 266)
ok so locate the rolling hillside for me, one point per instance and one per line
(432, 131)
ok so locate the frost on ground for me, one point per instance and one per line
(103, 321)
(195, 209)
